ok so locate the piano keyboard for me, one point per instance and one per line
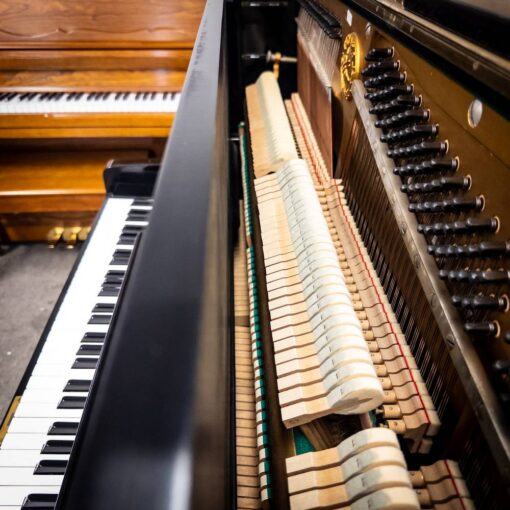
(15, 103)
(35, 450)
(338, 346)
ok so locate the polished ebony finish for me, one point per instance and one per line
(167, 445)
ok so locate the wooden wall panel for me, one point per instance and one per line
(98, 23)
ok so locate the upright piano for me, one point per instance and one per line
(305, 305)
(83, 83)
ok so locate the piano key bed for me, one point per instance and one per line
(39, 438)
(339, 352)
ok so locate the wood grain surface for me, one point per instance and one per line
(84, 23)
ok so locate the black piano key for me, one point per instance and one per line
(70, 96)
(127, 239)
(153, 95)
(100, 319)
(57, 446)
(112, 278)
(78, 384)
(138, 96)
(144, 201)
(118, 95)
(146, 95)
(50, 467)
(79, 95)
(3, 96)
(125, 95)
(11, 96)
(109, 290)
(89, 349)
(85, 363)
(103, 308)
(119, 261)
(72, 402)
(93, 337)
(63, 428)
(172, 95)
(90, 96)
(40, 501)
(106, 95)
(165, 95)
(133, 229)
(24, 96)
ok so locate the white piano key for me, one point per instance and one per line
(26, 458)
(21, 476)
(45, 410)
(13, 497)
(29, 441)
(47, 396)
(20, 425)
(49, 383)
(59, 371)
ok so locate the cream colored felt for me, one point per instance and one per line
(353, 445)
(357, 487)
(368, 459)
(270, 131)
(392, 498)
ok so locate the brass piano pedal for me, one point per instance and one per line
(54, 236)
(84, 233)
(70, 236)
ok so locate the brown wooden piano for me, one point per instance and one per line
(82, 83)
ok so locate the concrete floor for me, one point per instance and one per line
(31, 278)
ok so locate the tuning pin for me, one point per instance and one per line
(419, 149)
(456, 204)
(382, 80)
(380, 67)
(400, 119)
(438, 185)
(399, 104)
(389, 93)
(469, 226)
(489, 329)
(481, 302)
(410, 133)
(376, 54)
(427, 167)
(488, 277)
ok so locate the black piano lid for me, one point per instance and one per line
(155, 431)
